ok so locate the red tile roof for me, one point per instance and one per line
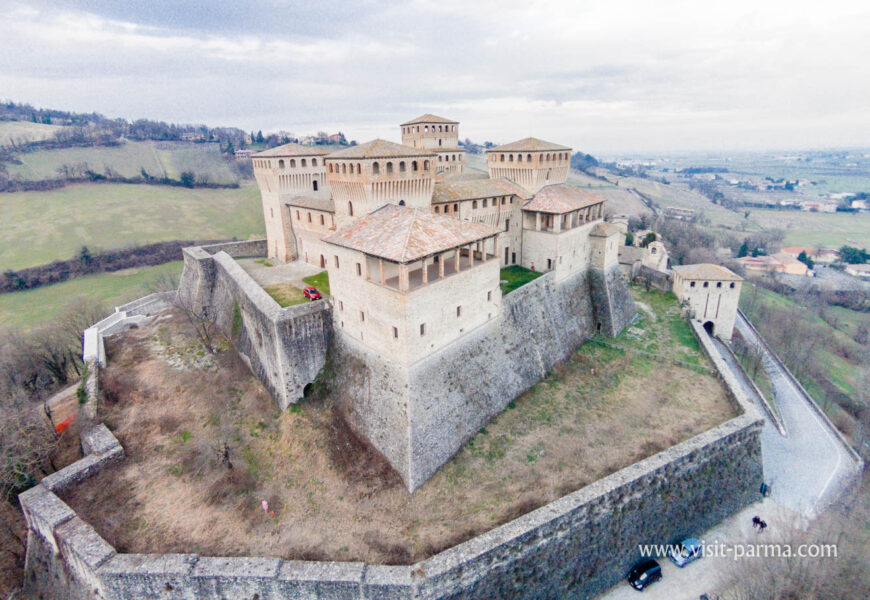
(379, 149)
(402, 234)
(292, 150)
(561, 198)
(529, 144)
(452, 190)
(429, 118)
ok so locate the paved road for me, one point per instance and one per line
(807, 468)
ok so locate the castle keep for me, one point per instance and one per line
(425, 348)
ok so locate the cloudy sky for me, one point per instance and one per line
(605, 76)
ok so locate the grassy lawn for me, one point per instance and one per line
(516, 276)
(285, 294)
(159, 159)
(320, 281)
(331, 497)
(38, 227)
(816, 229)
(25, 131)
(36, 307)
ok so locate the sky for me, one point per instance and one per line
(608, 76)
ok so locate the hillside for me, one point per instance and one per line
(23, 132)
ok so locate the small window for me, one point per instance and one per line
(718, 284)
(489, 296)
(402, 167)
(362, 316)
(376, 168)
(692, 284)
(298, 216)
(507, 224)
(292, 163)
(359, 269)
(437, 209)
(309, 217)
(281, 164)
(313, 162)
(455, 208)
(340, 305)
(422, 328)
(322, 220)
(314, 183)
(706, 284)
(484, 202)
(303, 163)
(336, 261)
(474, 204)
(395, 333)
(389, 167)
(732, 285)
(458, 311)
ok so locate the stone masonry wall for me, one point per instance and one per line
(574, 547)
(420, 416)
(285, 347)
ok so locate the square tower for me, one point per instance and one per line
(281, 173)
(531, 163)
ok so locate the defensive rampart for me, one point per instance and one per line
(574, 547)
(285, 347)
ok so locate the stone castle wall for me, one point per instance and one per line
(285, 347)
(574, 547)
(419, 416)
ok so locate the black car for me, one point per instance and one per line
(644, 573)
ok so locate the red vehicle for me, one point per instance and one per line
(311, 293)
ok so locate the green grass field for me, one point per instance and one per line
(25, 131)
(38, 227)
(36, 307)
(516, 276)
(159, 159)
(320, 281)
(830, 230)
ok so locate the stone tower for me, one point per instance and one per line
(531, 163)
(281, 173)
(440, 136)
(365, 177)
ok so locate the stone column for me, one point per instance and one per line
(458, 266)
(425, 272)
(441, 265)
(381, 267)
(470, 255)
(537, 221)
(403, 278)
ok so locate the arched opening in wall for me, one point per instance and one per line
(306, 391)
(708, 326)
(389, 168)
(314, 184)
(358, 169)
(598, 328)
(344, 169)
(322, 262)
(414, 165)
(292, 163)
(281, 164)
(401, 203)
(402, 167)
(376, 168)
(303, 163)
(426, 165)
(439, 141)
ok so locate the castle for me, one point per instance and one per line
(425, 348)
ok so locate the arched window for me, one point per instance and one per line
(304, 163)
(426, 165)
(528, 158)
(437, 209)
(281, 164)
(330, 167)
(389, 168)
(501, 158)
(439, 128)
(425, 129)
(402, 167)
(313, 162)
(519, 158)
(376, 168)
(350, 208)
(344, 168)
(292, 163)
(414, 165)
(474, 204)
(510, 158)
(439, 158)
(358, 169)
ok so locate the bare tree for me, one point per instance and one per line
(26, 445)
(201, 319)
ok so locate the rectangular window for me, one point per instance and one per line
(507, 224)
(322, 221)
(489, 296)
(395, 332)
(309, 217)
(706, 283)
(458, 311)
(336, 261)
(422, 328)
(484, 202)
(362, 316)
(692, 284)
(340, 305)
(718, 284)
(359, 269)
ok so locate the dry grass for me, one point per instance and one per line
(332, 497)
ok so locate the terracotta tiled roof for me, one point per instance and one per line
(529, 144)
(604, 230)
(313, 202)
(379, 149)
(561, 198)
(292, 150)
(467, 175)
(429, 118)
(402, 234)
(630, 254)
(706, 271)
(452, 190)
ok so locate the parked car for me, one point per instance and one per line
(644, 573)
(688, 550)
(311, 293)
